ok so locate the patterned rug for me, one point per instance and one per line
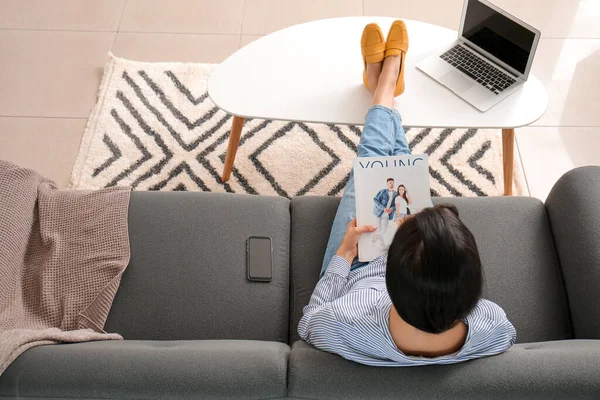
(155, 128)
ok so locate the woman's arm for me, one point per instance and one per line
(408, 198)
(400, 221)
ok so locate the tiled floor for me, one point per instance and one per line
(52, 55)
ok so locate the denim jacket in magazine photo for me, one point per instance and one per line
(381, 201)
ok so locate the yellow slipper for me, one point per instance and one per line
(372, 46)
(397, 43)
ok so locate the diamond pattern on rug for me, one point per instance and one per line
(154, 127)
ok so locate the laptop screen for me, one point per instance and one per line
(498, 35)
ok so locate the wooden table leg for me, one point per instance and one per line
(508, 146)
(232, 146)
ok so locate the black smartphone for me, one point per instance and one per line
(259, 259)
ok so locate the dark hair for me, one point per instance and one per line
(389, 179)
(434, 272)
(403, 195)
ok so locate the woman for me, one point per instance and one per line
(419, 304)
(402, 202)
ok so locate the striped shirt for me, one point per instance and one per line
(348, 315)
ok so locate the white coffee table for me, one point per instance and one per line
(312, 72)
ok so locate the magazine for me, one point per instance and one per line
(388, 190)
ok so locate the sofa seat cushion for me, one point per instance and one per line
(546, 370)
(520, 264)
(208, 369)
(187, 277)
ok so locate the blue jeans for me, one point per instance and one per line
(382, 135)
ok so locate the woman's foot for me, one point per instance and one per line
(397, 45)
(372, 45)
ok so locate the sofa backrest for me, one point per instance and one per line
(574, 209)
(513, 236)
(187, 275)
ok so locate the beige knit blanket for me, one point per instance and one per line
(62, 254)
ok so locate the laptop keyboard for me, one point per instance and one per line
(485, 74)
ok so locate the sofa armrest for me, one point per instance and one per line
(574, 209)
(543, 370)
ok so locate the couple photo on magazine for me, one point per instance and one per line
(390, 204)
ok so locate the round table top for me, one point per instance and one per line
(313, 72)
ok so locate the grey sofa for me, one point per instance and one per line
(196, 328)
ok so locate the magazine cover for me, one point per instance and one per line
(388, 190)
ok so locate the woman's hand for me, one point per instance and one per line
(349, 247)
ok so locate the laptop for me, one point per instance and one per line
(491, 58)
